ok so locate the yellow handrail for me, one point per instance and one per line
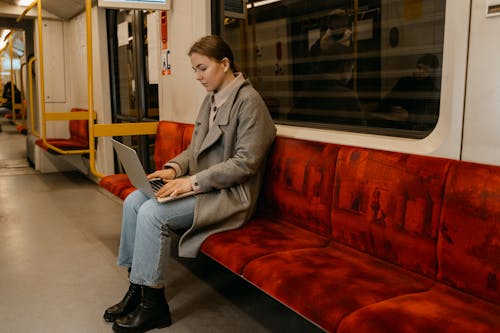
(79, 115)
(90, 86)
(125, 129)
(26, 10)
(44, 115)
(42, 72)
(95, 130)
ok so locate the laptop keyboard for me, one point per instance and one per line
(156, 184)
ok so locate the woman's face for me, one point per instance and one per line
(210, 72)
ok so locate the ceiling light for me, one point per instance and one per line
(24, 3)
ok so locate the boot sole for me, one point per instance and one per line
(161, 323)
(110, 318)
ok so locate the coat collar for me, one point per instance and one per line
(222, 119)
(221, 96)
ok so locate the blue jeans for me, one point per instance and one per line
(145, 238)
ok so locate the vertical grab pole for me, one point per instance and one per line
(42, 87)
(42, 72)
(90, 80)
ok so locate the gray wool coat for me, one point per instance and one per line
(228, 161)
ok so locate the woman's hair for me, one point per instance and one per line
(214, 47)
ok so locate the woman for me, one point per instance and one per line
(224, 164)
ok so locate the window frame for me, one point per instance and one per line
(445, 139)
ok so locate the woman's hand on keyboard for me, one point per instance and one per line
(164, 174)
(175, 187)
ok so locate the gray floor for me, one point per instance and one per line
(59, 236)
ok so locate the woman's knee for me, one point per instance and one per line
(134, 201)
(149, 214)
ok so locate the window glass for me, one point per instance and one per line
(371, 66)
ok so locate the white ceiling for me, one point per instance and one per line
(64, 9)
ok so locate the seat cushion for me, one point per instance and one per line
(298, 185)
(79, 136)
(170, 141)
(294, 209)
(441, 309)
(388, 204)
(325, 285)
(469, 239)
(118, 184)
(64, 144)
(234, 249)
(79, 129)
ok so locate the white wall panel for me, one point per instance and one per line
(76, 50)
(55, 89)
(481, 138)
(101, 91)
(180, 94)
(53, 52)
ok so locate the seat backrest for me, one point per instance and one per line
(298, 184)
(171, 140)
(388, 205)
(469, 237)
(79, 129)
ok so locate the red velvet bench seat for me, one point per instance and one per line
(294, 208)
(385, 217)
(466, 298)
(360, 240)
(171, 139)
(78, 140)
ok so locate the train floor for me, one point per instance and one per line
(59, 235)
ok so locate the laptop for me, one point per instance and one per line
(135, 172)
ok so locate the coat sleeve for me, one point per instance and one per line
(250, 134)
(180, 163)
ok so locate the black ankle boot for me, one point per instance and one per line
(129, 302)
(152, 312)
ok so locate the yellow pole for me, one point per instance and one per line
(42, 73)
(12, 91)
(90, 79)
(26, 10)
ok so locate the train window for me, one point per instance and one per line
(368, 66)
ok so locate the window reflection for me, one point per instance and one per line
(365, 66)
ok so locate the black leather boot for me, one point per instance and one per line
(152, 312)
(129, 302)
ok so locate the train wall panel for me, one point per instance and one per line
(481, 137)
(180, 94)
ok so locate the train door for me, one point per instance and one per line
(134, 92)
(13, 68)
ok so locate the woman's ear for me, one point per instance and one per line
(227, 64)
